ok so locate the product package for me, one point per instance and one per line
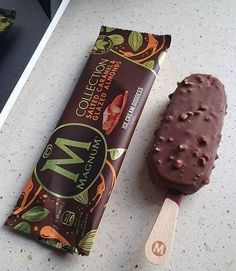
(64, 199)
(7, 18)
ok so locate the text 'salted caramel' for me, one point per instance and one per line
(64, 199)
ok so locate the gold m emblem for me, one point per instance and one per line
(158, 248)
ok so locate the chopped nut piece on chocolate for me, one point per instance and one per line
(187, 83)
(178, 164)
(158, 162)
(207, 119)
(197, 113)
(170, 95)
(171, 158)
(206, 156)
(202, 161)
(206, 181)
(156, 149)
(168, 118)
(202, 140)
(161, 138)
(170, 139)
(202, 108)
(182, 147)
(183, 116)
(209, 76)
(195, 153)
(200, 79)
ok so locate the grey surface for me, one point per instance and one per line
(17, 46)
(203, 40)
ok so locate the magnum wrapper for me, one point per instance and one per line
(7, 18)
(64, 199)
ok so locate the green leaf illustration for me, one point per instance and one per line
(23, 227)
(4, 26)
(35, 214)
(135, 40)
(109, 29)
(116, 39)
(52, 243)
(116, 153)
(6, 19)
(100, 44)
(149, 64)
(82, 197)
(161, 57)
(87, 241)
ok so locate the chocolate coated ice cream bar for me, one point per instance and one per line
(183, 152)
(184, 149)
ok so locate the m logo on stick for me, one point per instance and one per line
(158, 248)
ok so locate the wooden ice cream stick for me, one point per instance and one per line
(159, 243)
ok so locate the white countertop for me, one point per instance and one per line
(203, 40)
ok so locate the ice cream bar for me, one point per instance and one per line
(183, 152)
(185, 145)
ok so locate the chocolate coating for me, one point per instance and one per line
(193, 121)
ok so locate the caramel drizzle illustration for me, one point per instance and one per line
(152, 46)
(101, 187)
(25, 194)
(113, 176)
(48, 232)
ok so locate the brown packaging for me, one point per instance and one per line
(64, 199)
